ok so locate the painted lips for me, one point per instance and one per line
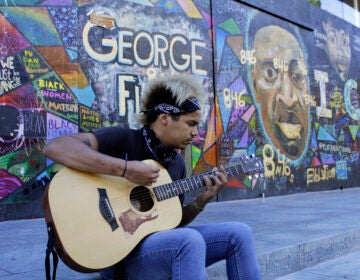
(291, 131)
(290, 125)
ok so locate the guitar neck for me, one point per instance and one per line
(190, 184)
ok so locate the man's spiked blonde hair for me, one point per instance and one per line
(173, 90)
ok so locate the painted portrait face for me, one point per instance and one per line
(279, 81)
(338, 45)
(352, 99)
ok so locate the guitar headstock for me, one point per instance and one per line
(252, 165)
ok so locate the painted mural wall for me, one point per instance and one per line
(288, 92)
(285, 90)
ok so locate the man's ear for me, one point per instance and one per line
(164, 119)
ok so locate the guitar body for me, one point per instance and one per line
(99, 219)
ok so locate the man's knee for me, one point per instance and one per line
(240, 231)
(193, 239)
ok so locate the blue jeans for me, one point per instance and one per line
(183, 253)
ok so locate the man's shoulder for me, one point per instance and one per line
(117, 140)
(114, 134)
(117, 130)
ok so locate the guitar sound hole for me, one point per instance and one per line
(141, 199)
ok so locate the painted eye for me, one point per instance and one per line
(298, 79)
(346, 41)
(297, 73)
(270, 73)
(331, 37)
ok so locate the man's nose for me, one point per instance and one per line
(287, 93)
(194, 131)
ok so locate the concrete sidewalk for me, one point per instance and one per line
(302, 236)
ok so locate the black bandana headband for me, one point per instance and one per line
(189, 105)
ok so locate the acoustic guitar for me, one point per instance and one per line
(99, 219)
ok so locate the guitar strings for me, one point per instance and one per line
(143, 194)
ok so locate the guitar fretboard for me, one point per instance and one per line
(190, 184)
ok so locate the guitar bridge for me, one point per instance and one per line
(106, 210)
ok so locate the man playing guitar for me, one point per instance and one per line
(171, 112)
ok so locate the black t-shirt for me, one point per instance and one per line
(118, 141)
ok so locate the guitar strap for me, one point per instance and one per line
(50, 249)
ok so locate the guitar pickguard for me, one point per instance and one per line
(130, 221)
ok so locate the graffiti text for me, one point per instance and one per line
(9, 77)
(279, 168)
(233, 97)
(320, 174)
(146, 49)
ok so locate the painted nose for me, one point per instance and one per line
(287, 93)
